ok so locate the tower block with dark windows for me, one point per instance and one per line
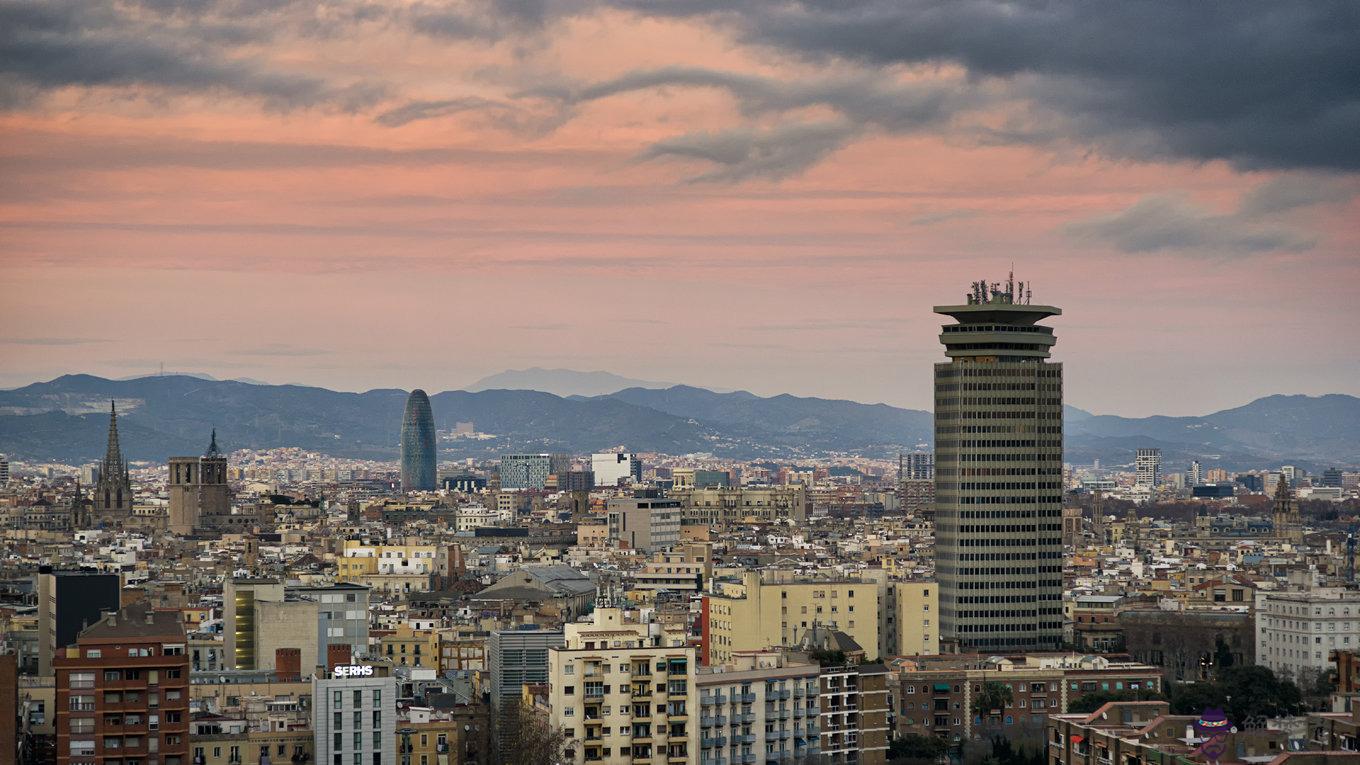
(998, 473)
(113, 490)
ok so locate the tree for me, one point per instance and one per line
(529, 738)
(1242, 692)
(912, 749)
(993, 697)
(828, 658)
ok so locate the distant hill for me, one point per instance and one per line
(793, 424)
(65, 420)
(561, 382)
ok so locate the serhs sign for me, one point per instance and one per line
(352, 670)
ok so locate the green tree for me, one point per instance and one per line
(1090, 702)
(993, 698)
(912, 749)
(828, 658)
(1242, 692)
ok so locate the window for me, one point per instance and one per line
(338, 699)
(339, 721)
(81, 680)
(358, 698)
(82, 725)
(377, 697)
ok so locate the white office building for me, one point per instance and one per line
(1148, 468)
(612, 468)
(354, 716)
(1296, 632)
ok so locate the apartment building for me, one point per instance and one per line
(762, 707)
(757, 613)
(644, 522)
(716, 505)
(390, 568)
(122, 691)
(1146, 733)
(853, 720)
(1296, 632)
(409, 647)
(354, 715)
(937, 695)
(623, 688)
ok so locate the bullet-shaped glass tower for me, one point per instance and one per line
(998, 473)
(417, 444)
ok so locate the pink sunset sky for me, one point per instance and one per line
(418, 194)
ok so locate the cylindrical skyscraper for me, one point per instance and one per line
(417, 444)
(998, 474)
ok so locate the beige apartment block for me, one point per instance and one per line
(622, 690)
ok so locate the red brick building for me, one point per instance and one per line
(122, 695)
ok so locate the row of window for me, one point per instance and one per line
(338, 698)
(358, 718)
(997, 401)
(1015, 369)
(357, 738)
(1012, 457)
(998, 485)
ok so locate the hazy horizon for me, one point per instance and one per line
(436, 390)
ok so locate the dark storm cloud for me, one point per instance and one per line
(1258, 84)
(862, 102)
(185, 47)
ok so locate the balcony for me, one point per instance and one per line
(744, 738)
(744, 698)
(712, 742)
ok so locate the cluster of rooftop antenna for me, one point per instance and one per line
(1011, 293)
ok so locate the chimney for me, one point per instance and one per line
(113, 619)
(338, 654)
(150, 616)
(287, 664)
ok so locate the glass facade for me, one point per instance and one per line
(418, 448)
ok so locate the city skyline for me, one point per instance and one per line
(768, 201)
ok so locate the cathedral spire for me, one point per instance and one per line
(213, 451)
(113, 491)
(113, 455)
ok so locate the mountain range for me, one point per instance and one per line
(66, 420)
